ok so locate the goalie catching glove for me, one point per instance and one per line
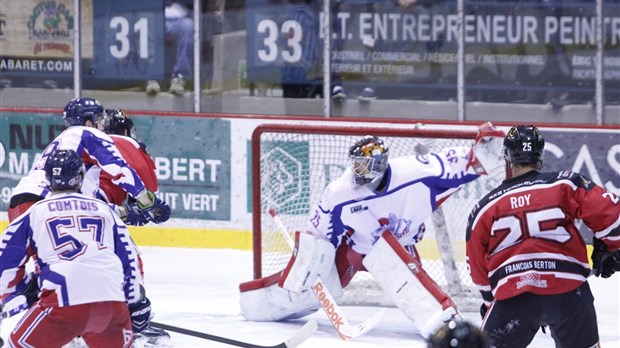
(605, 263)
(486, 156)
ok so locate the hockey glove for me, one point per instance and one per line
(160, 212)
(140, 314)
(156, 210)
(134, 216)
(604, 262)
(486, 155)
(145, 200)
(31, 292)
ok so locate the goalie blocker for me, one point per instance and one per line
(412, 290)
(288, 294)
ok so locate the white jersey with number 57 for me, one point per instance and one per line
(81, 247)
(416, 185)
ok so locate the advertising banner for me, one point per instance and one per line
(412, 50)
(130, 39)
(36, 37)
(193, 158)
(120, 39)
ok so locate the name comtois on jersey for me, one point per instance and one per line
(71, 205)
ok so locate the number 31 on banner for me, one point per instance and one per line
(128, 39)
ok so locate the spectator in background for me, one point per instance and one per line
(219, 6)
(180, 29)
(303, 79)
(370, 44)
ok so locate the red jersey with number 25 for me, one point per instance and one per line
(522, 236)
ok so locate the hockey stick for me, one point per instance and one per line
(335, 314)
(298, 338)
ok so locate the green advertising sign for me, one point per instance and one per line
(22, 138)
(192, 156)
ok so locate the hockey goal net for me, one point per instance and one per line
(292, 165)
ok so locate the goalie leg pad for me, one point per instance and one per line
(264, 300)
(412, 290)
(311, 257)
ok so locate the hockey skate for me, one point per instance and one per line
(152, 337)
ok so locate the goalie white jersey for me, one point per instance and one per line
(416, 186)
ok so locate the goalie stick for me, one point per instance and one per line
(335, 314)
(298, 338)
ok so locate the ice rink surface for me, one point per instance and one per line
(197, 289)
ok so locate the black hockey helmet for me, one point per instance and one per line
(524, 145)
(64, 170)
(116, 121)
(458, 334)
(370, 159)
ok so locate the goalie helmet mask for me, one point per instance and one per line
(369, 157)
(116, 121)
(458, 334)
(524, 145)
(79, 110)
(64, 171)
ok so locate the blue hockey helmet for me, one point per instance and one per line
(78, 110)
(370, 159)
(64, 170)
(524, 145)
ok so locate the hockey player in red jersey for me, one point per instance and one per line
(528, 258)
(117, 124)
(89, 279)
(370, 219)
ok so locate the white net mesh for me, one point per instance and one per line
(296, 165)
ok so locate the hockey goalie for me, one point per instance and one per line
(370, 219)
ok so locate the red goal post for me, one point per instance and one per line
(291, 166)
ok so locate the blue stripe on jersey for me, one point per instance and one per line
(122, 250)
(100, 150)
(58, 279)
